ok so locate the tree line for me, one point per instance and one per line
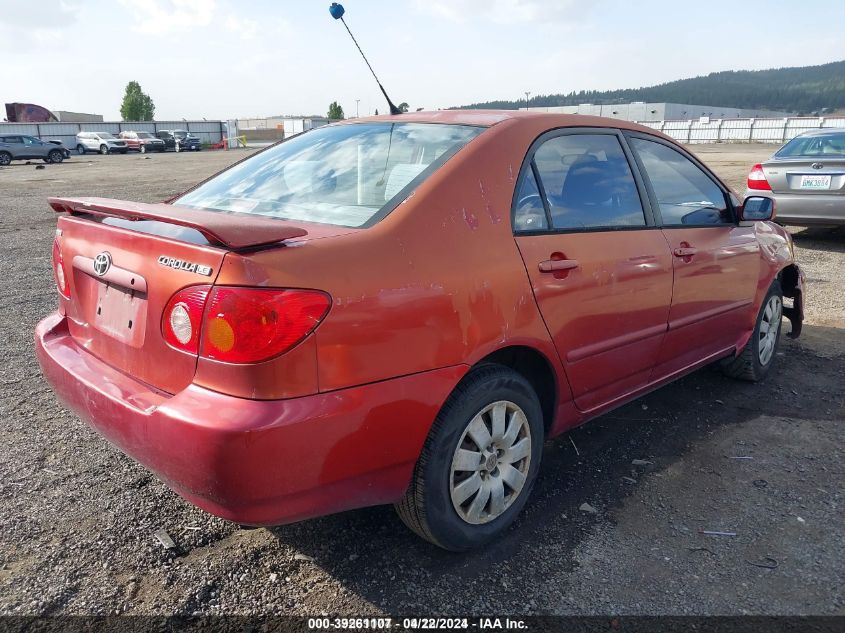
(800, 90)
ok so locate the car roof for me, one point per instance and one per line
(823, 131)
(489, 118)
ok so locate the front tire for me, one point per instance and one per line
(757, 357)
(479, 463)
(142, 148)
(55, 156)
(104, 149)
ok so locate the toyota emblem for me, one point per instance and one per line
(102, 263)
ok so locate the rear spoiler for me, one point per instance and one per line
(232, 230)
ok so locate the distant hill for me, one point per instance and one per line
(802, 90)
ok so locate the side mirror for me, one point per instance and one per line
(757, 208)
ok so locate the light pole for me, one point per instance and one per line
(527, 94)
(356, 107)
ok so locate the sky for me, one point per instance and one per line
(223, 59)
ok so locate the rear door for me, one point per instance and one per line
(600, 270)
(716, 261)
(15, 145)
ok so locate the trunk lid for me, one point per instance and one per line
(807, 175)
(126, 260)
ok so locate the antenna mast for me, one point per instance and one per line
(337, 12)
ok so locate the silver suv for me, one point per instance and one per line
(101, 142)
(22, 146)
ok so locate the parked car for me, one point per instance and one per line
(23, 147)
(102, 142)
(805, 178)
(402, 309)
(179, 140)
(142, 141)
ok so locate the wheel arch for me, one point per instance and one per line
(792, 284)
(536, 368)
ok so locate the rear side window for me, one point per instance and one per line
(343, 174)
(816, 145)
(685, 194)
(529, 212)
(588, 182)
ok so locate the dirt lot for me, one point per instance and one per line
(78, 517)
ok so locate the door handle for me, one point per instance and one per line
(552, 265)
(685, 251)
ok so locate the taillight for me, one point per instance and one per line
(59, 271)
(248, 325)
(182, 318)
(757, 179)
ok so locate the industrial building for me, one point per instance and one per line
(278, 127)
(641, 111)
(77, 117)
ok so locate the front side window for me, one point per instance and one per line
(588, 182)
(343, 174)
(28, 140)
(685, 194)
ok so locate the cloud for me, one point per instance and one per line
(24, 25)
(162, 17)
(245, 27)
(502, 11)
(47, 14)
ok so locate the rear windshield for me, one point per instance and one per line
(342, 175)
(820, 145)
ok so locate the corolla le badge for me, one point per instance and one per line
(181, 264)
(102, 263)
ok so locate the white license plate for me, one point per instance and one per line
(815, 182)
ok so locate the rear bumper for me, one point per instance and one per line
(250, 461)
(806, 209)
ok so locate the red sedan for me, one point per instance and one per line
(401, 309)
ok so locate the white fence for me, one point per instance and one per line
(742, 130)
(206, 131)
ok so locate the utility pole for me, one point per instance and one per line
(527, 94)
(356, 107)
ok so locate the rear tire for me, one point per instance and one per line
(5, 158)
(493, 416)
(142, 148)
(757, 357)
(80, 149)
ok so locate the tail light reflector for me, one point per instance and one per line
(249, 325)
(757, 179)
(59, 271)
(182, 318)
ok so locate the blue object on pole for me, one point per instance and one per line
(337, 10)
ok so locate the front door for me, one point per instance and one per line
(600, 270)
(716, 261)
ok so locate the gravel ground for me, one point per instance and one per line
(78, 517)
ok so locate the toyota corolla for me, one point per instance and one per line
(402, 309)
